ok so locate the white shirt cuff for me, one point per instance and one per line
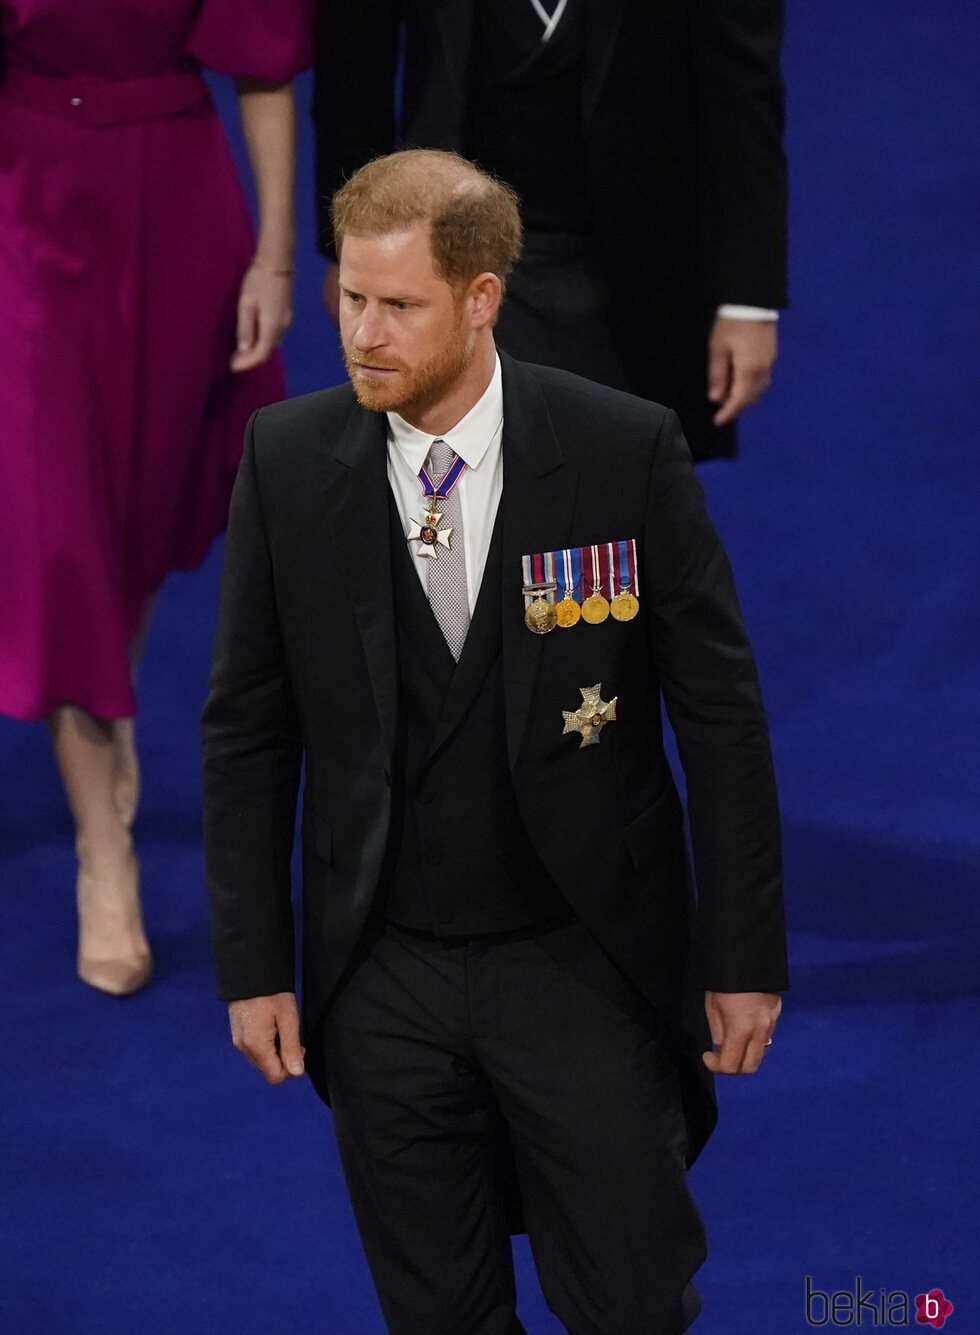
(747, 313)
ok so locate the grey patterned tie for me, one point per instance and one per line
(448, 593)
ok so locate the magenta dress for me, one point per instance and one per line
(124, 235)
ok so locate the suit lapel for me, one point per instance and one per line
(602, 23)
(537, 508)
(357, 520)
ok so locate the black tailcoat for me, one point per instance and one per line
(305, 668)
(682, 124)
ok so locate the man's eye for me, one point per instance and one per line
(400, 305)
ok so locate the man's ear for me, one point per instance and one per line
(484, 297)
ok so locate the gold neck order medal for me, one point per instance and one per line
(428, 532)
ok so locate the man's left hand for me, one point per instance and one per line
(740, 1024)
(741, 355)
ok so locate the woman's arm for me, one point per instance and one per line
(268, 113)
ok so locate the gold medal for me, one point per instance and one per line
(567, 612)
(624, 606)
(595, 609)
(541, 616)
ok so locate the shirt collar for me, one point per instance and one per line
(470, 437)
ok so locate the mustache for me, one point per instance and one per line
(392, 364)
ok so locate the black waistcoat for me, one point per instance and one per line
(526, 112)
(458, 858)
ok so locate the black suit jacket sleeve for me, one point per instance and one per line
(356, 50)
(252, 759)
(711, 690)
(741, 113)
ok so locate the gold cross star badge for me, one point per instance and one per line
(592, 715)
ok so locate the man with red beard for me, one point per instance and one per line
(459, 589)
(627, 128)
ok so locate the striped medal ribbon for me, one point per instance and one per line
(595, 564)
(625, 605)
(606, 573)
(568, 612)
(539, 587)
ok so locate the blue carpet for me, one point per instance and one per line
(151, 1183)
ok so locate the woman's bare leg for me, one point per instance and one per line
(113, 952)
(127, 779)
(126, 784)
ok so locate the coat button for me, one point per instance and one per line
(76, 101)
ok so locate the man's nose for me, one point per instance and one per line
(368, 332)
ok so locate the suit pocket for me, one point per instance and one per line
(657, 828)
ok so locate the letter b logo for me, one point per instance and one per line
(817, 1305)
(932, 1309)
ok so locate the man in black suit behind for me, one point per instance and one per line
(629, 128)
(510, 993)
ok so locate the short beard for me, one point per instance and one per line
(418, 388)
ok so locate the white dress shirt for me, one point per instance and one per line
(475, 438)
(747, 313)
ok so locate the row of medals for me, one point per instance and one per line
(542, 616)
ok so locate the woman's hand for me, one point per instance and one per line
(265, 302)
(265, 312)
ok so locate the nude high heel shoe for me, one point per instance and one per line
(113, 953)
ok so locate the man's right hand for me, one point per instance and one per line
(266, 1031)
(331, 291)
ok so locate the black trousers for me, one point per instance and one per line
(429, 1043)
